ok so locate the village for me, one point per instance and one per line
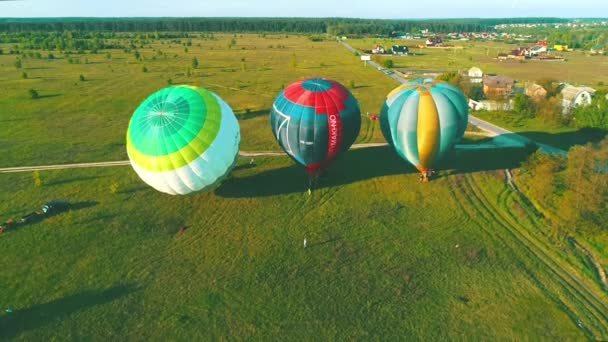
(494, 92)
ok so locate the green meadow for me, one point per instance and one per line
(387, 257)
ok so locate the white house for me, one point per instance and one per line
(475, 75)
(490, 105)
(538, 49)
(378, 49)
(576, 96)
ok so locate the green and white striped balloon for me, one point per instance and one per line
(183, 139)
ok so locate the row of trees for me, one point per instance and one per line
(575, 188)
(576, 38)
(333, 26)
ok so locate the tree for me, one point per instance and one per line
(594, 115)
(81, 78)
(388, 63)
(550, 110)
(243, 65)
(18, 64)
(24, 75)
(587, 186)
(522, 105)
(33, 93)
(540, 173)
(551, 86)
(144, 69)
(194, 63)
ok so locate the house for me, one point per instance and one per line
(490, 105)
(498, 86)
(536, 92)
(597, 50)
(519, 54)
(475, 75)
(378, 49)
(576, 96)
(541, 43)
(537, 50)
(434, 41)
(400, 50)
(560, 47)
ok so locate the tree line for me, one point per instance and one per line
(574, 188)
(334, 26)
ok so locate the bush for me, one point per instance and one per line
(144, 69)
(18, 63)
(24, 75)
(33, 94)
(81, 78)
(37, 179)
(114, 187)
(388, 63)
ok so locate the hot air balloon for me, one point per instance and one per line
(423, 120)
(183, 139)
(314, 120)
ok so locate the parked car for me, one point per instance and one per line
(55, 207)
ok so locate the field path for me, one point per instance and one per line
(583, 301)
(242, 154)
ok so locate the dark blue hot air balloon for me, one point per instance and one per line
(314, 120)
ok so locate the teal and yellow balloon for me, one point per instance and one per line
(183, 139)
(423, 120)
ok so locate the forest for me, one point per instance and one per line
(332, 26)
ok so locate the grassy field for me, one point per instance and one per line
(387, 256)
(76, 121)
(580, 67)
(462, 257)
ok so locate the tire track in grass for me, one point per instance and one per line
(522, 260)
(574, 289)
(538, 243)
(536, 252)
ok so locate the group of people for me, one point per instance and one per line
(5, 226)
(426, 175)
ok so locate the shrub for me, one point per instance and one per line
(37, 179)
(33, 94)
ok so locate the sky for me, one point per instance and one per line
(385, 9)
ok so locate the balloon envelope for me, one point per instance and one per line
(314, 120)
(183, 139)
(423, 120)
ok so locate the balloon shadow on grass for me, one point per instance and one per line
(39, 315)
(353, 166)
(367, 163)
